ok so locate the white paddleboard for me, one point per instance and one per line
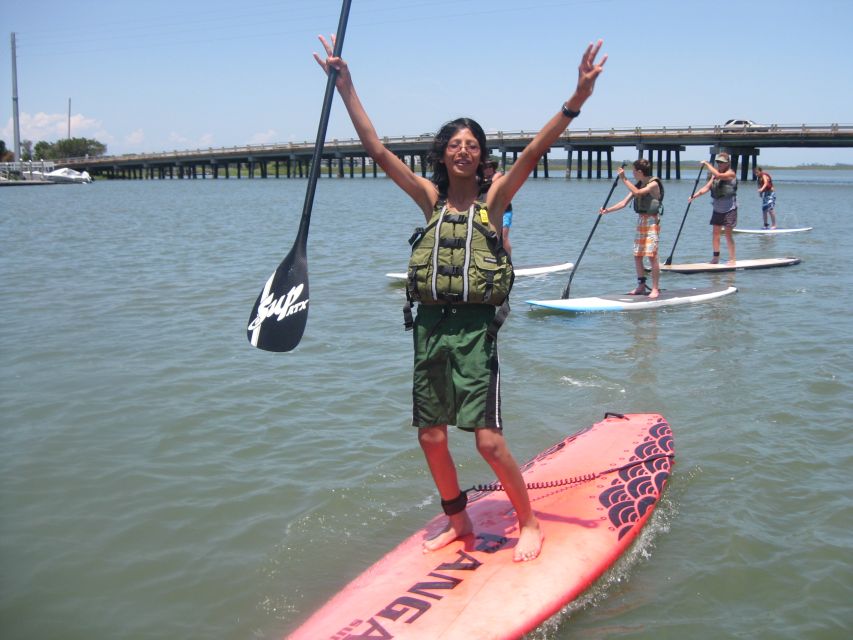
(536, 270)
(772, 232)
(626, 302)
(739, 265)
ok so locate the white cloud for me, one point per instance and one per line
(177, 138)
(181, 141)
(264, 137)
(51, 127)
(135, 137)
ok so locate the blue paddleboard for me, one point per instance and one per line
(627, 302)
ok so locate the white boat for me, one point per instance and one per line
(66, 175)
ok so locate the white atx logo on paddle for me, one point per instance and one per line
(282, 307)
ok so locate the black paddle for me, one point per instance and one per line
(597, 220)
(689, 202)
(278, 318)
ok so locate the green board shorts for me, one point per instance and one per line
(457, 372)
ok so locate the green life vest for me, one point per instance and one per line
(647, 203)
(457, 259)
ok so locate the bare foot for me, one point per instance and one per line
(731, 261)
(458, 526)
(654, 293)
(529, 544)
(714, 260)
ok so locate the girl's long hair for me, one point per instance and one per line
(439, 144)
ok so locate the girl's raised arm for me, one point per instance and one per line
(588, 72)
(421, 190)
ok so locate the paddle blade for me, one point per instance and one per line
(278, 318)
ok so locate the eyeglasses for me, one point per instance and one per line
(457, 145)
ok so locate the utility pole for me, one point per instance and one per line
(16, 125)
(69, 118)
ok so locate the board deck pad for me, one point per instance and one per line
(592, 493)
(627, 302)
(530, 270)
(772, 232)
(739, 265)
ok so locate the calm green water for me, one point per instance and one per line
(162, 479)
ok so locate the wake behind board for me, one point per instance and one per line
(533, 270)
(626, 302)
(772, 232)
(739, 265)
(594, 492)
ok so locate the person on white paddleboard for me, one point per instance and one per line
(456, 377)
(647, 195)
(768, 197)
(723, 188)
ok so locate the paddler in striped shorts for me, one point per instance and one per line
(647, 195)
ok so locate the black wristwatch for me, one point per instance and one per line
(569, 113)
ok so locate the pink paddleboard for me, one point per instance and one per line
(592, 493)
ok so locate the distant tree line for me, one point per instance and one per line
(65, 148)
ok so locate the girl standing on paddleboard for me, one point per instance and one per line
(456, 377)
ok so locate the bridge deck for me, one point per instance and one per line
(741, 142)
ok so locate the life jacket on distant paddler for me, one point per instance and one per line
(723, 188)
(647, 204)
(458, 259)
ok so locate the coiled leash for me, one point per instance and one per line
(551, 484)
(457, 504)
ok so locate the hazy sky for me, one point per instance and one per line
(156, 75)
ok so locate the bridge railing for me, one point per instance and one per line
(496, 137)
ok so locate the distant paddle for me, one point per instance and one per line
(597, 220)
(689, 202)
(278, 318)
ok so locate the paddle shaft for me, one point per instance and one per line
(597, 220)
(278, 318)
(684, 217)
(317, 157)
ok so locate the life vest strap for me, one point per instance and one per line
(452, 243)
(408, 319)
(497, 322)
(490, 284)
(446, 270)
(495, 325)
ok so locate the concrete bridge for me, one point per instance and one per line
(662, 146)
